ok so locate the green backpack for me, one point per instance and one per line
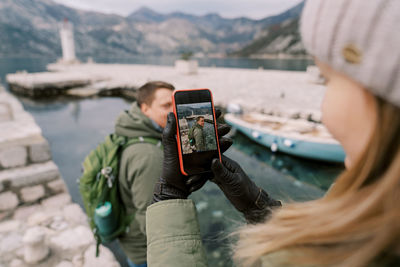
(192, 141)
(99, 188)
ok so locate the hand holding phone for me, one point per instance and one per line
(197, 135)
(173, 184)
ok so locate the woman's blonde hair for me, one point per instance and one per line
(355, 224)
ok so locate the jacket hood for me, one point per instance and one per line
(134, 123)
(196, 125)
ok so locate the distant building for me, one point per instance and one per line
(67, 42)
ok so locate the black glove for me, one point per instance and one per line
(173, 184)
(243, 193)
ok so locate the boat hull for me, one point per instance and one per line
(331, 152)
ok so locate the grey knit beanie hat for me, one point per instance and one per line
(360, 38)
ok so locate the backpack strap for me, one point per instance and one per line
(141, 139)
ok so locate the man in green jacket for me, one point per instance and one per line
(198, 134)
(140, 165)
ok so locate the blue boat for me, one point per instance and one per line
(300, 138)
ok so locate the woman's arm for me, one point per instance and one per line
(173, 234)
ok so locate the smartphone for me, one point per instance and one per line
(197, 136)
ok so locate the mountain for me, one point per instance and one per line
(291, 13)
(280, 36)
(283, 38)
(145, 14)
(30, 28)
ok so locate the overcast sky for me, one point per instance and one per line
(255, 9)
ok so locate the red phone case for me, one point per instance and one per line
(178, 132)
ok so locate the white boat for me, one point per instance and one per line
(298, 137)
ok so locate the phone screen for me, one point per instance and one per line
(197, 133)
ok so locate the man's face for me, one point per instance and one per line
(201, 122)
(160, 107)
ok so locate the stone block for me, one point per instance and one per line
(72, 241)
(106, 258)
(5, 112)
(4, 215)
(39, 152)
(8, 244)
(57, 201)
(58, 224)
(11, 157)
(31, 175)
(21, 131)
(65, 264)
(10, 226)
(186, 66)
(8, 201)
(17, 263)
(57, 186)
(20, 254)
(32, 194)
(73, 213)
(40, 218)
(77, 260)
(23, 213)
(35, 247)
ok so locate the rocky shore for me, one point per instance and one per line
(39, 224)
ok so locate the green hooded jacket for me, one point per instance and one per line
(198, 135)
(140, 169)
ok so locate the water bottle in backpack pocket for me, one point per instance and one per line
(105, 219)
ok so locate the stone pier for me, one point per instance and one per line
(39, 224)
(291, 94)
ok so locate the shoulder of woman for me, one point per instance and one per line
(278, 259)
